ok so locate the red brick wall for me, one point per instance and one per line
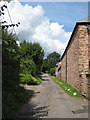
(63, 69)
(83, 57)
(77, 60)
(72, 62)
(89, 63)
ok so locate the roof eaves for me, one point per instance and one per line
(78, 23)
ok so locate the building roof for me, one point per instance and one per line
(85, 21)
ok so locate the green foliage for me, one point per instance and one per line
(10, 60)
(50, 61)
(41, 73)
(45, 65)
(32, 51)
(22, 63)
(39, 80)
(31, 61)
(66, 87)
(29, 79)
(25, 78)
(27, 65)
(12, 94)
(14, 99)
(52, 71)
(10, 49)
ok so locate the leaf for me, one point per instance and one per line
(5, 42)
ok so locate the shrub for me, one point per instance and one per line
(27, 65)
(32, 51)
(41, 73)
(39, 80)
(13, 95)
(29, 79)
(33, 80)
(52, 71)
(25, 78)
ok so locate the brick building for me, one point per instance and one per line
(75, 61)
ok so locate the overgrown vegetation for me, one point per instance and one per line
(13, 95)
(30, 64)
(29, 79)
(66, 87)
(52, 71)
(20, 64)
(32, 56)
(50, 61)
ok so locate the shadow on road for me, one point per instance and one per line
(45, 78)
(31, 110)
(41, 112)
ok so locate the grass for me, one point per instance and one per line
(66, 87)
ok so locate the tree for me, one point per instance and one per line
(10, 73)
(27, 66)
(44, 65)
(50, 61)
(52, 71)
(10, 59)
(37, 55)
(32, 51)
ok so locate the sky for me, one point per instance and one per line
(48, 23)
(65, 13)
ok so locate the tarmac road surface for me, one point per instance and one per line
(50, 101)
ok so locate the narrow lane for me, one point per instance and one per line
(50, 101)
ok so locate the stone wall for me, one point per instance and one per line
(72, 62)
(77, 60)
(63, 68)
(89, 63)
(83, 57)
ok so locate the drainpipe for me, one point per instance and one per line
(66, 66)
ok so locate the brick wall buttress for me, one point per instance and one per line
(83, 58)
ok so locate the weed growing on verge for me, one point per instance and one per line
(68, 88)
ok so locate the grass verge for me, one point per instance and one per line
(66, 87)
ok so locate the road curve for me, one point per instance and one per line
(50, 101)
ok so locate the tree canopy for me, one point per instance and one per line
(19, 63)
(50, 61)
(34, 52)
